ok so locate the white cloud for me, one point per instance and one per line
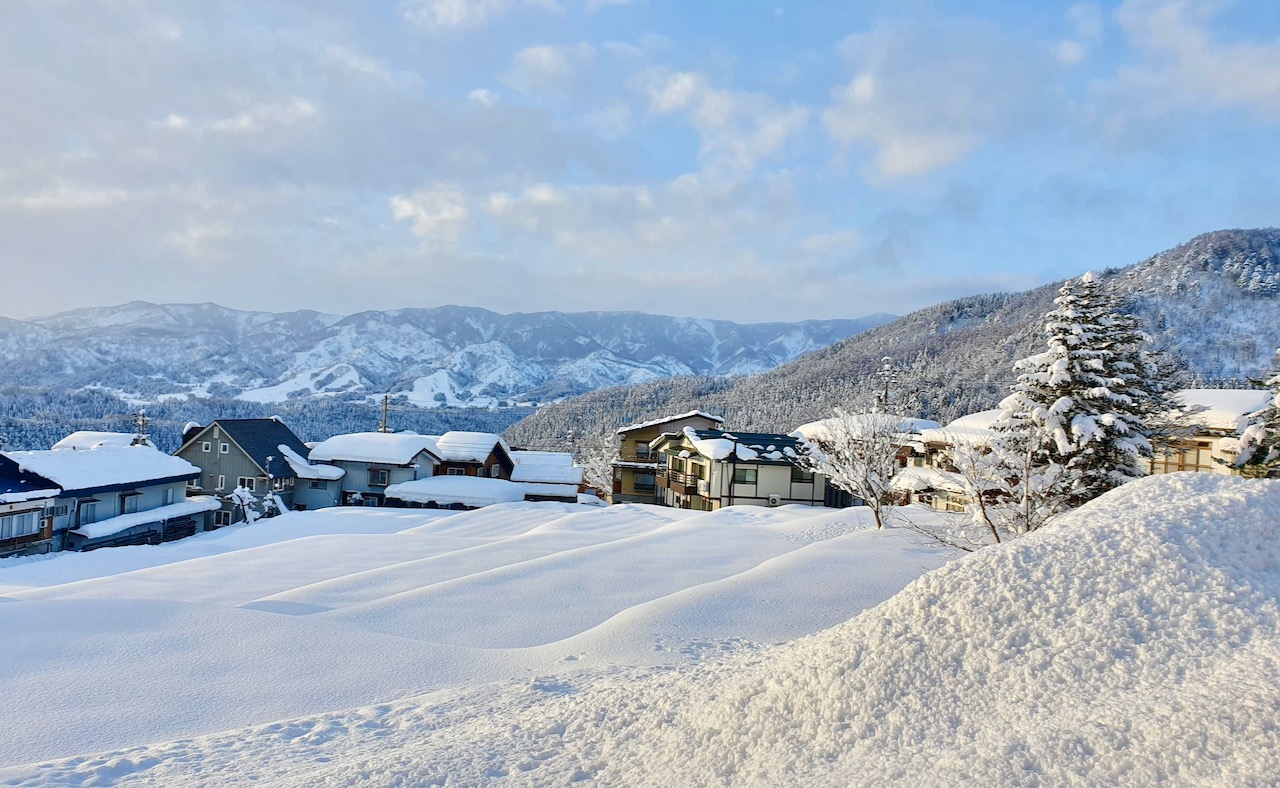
(437, 212)
(71, 197)
(444, 15)
(547, 68)
(174, 122)
(1070, 52)
(483, 96)
(925, 95)
(737, 129)
(259, 118)
(1187, 67)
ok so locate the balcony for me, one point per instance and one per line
(678, 481)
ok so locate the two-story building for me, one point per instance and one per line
(635, 470)
(1208, 430)
(705, 470)
(246, 453)
(374, 461)
(109, 496)
(26, 522)
(473, 454)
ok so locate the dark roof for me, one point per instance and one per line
(760, 442)
(261, 438)
(26, 485)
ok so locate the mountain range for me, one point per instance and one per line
(1211, 304)
(446, 356)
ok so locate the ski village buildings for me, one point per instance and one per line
(102, 489)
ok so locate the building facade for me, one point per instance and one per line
(636, 468)
(707, 470)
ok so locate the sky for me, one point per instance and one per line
(741, 160)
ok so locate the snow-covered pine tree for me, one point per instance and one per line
(1260, 443)
(1085, 400)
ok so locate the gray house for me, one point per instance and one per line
(374, 461)
(231, 453)
(108, 496)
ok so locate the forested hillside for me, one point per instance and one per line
(1211, 303)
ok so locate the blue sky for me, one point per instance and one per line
(746, 160)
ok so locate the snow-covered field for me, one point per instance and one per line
(1134, 642)
(317, 612)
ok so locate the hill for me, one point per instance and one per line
(1212, 303)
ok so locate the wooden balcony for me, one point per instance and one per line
(678, 481)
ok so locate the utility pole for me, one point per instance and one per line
(141, 424)
(386, 405)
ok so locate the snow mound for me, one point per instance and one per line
(1134, 642)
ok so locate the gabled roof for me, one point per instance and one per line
(665, 419)
(262, 438)
(392, 448)
(457, 446)
(108, 467)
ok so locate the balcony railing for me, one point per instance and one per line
(681, 482)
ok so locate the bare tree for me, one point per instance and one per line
(596, 454)
(858, 453)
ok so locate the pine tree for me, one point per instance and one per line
(1084, 402)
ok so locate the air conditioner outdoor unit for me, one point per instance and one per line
(775, 500)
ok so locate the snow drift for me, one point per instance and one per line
(1133, 642)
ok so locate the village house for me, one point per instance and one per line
(245, 453)
(101, 497)
(374, 461)
(26, 520)
(547, 475)
(635, 470)
(474, 454)
(707, 469)
(1207, 439)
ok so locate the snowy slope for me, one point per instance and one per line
(1134, 643)
(318, 611)
(443, 356)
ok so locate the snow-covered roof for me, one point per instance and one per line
(1224, 409)
(465, 490)
(744, 446)
(393, 448)
(114, 525)
(554, 467)
(305, 470)
(665, 419)
(821, 430)
(914, 479)
(107, 466)
(637, 465)
(973, 429)
(457, 446)
(548, 489)
(90, 439)
(15, 491)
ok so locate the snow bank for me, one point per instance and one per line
(1135, 642)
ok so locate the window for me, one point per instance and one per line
(222, 482)
(129, 502)
(56, 511)
(168, 496)
(454, 472)
(801, 476)
(221, 517)
(318, 485)
(379, 477)
(13, 526)
(206, 447)
(247, 482)
(642, 450)
(193, 482)
(698, 471)
(494, 470)
(88, 512)
(644, 481)
(744, 475)
(224, 448)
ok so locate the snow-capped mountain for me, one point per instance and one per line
(1213, 304)
(450, 355)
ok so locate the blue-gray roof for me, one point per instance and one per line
(261, 438)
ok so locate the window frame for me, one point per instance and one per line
(383, 475)
(752, 471)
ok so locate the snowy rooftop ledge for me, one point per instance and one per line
(464, 490)
(665, 419)
(305, 470)
(193, 505)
